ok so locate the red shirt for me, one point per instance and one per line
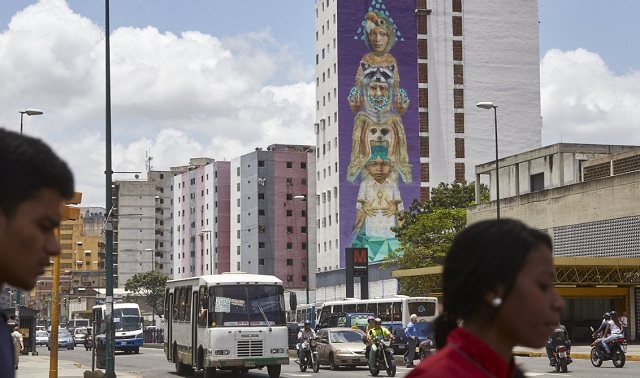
(464, 356)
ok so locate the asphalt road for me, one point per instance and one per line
(151, 363)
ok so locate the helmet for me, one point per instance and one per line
(370, 318)
(307, 322)
(378, 321)
(613, 314)
(606, 315)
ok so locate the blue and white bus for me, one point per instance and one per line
(127, 325)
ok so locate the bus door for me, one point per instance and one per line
(168, 321)
(195, 312)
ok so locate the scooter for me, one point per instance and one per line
(309, 356)
(383, 358)
(617, 350)
(88, 342)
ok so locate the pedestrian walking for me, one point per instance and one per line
(411, 334)
(18, 344)
(34, 183)
(625, 326)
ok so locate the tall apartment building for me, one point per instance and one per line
(142, 226)
(272, 210)
(398, 82)
(200, 218)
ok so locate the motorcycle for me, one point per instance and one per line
(383, 358)
(426, 348)
(562, 358)
(88, 342)
(309, 356)
(617, 350)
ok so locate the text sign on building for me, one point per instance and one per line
(359, 258)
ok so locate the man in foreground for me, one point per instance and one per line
(34, 183)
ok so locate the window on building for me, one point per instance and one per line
(260, 163)
(289, 213)
(289, 164)
(289, 196)
(290, 262)
(260, 196)
(537, 182)
(289, 230)
(289, 245)
(303, 165)
(260, 211)
(260, 261)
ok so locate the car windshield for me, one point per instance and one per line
(346, 337)
(64, 333)
(126, 319)
(81, 330)
(42, 334)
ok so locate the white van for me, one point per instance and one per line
(78, 323)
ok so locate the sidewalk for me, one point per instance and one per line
(38, 367)
(577, 351)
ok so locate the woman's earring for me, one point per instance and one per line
(496, 302)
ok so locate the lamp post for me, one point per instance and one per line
(207, 231)
(29, 112)
(490, 105)
(306, 212)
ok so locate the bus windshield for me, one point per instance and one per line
(126, 319)
(232, 306)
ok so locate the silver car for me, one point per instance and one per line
(42, 338)
(341, 346)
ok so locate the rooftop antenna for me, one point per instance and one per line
(147, 160)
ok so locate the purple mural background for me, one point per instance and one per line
(351, 49)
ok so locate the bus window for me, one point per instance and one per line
(384, 312)
(187, 304)
(349, 308)
(176, 304)
(203, 306)
(324, 312)
(182, 302)
(397, 311)
(372, 307)
(422, 309)
(336, 309)
(166, 303)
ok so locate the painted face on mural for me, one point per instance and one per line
(378, 94)
(379, 169)
(378, 39)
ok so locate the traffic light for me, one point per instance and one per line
(64, 301)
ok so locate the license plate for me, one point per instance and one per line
(250, 364)
(121, 342)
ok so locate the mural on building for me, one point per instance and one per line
(380, 156)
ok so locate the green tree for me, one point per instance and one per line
(149, 288)
(429, 228)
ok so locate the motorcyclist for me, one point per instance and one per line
(560, 336)
(305, 334)
(377, 331)
(371, 324)
(615, 327)
(603, 326)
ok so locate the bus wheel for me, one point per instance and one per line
(209, 372)
(274, 371)
(181, 369)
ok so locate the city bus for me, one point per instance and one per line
(127, 323)
(306, 312)
(394, 313)
(229, 321)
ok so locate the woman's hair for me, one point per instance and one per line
(482, 257)
(374, 20)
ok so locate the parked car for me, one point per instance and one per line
(345, 319)
(79, 335)
(42, 338)
(65, 340)
(340, 346)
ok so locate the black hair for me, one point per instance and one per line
(482, 257)
(28, 165)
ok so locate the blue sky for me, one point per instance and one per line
(218, 78)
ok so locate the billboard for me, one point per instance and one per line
(378, 121)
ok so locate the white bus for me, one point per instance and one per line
(127, 323)
(230, 321)
(306, 312)
(394, 312)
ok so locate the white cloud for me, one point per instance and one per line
(583, 101)
(173, 96)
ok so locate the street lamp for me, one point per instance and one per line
(207, 231)
(29, 112)
(489, 105)
(306, 211)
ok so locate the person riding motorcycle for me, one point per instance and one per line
(615, 327)
(304, 334)
(371, 324)
(600, 331)
(377, 331)
(560, 336)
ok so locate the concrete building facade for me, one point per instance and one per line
(450, 55)
(273, 215)
(200, 218)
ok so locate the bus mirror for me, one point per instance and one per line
(293, 301)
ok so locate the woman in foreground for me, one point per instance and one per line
(498, 292)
